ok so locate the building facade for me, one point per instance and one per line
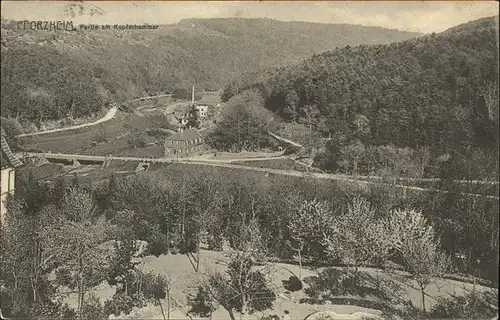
(202, 110)
(8, 163)
(184, 143)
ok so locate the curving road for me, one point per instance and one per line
(109, 115)
(228, 164)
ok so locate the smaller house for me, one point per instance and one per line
(184, 143)
(202, 110)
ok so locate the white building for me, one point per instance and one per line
(202, 110)
(8, 163)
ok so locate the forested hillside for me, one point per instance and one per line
(438, 91)
(49, 75)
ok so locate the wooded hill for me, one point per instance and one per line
(49, 75)
(438, 91)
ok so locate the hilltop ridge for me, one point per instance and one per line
(102, 66)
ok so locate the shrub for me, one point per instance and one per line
(157, 244)
(93, 309)
(331, 282)
(156, 132)
(137, 142)
(293, 284)
(101, 135)
(470, 306)
(215, 243)
(189, 245)
(12, 128)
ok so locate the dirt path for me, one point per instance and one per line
(109, 115)
(295, 144)
(228, 164)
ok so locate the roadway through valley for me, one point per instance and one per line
(228, 164)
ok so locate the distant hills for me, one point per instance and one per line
(79, 9)
(438, 90)
(51, 75)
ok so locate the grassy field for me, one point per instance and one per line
(110, 137)
(210, 98)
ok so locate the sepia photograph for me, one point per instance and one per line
(249, 160)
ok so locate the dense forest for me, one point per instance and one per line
(52, 75)
(437, 93)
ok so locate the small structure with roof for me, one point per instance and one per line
(184, 143)
(8, 163)
(201, 110)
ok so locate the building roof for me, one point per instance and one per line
(7, 158)
(186, 135)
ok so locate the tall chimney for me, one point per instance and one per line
(192, 97)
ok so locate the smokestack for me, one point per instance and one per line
(192, 97)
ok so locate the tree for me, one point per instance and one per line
(180, 93)
(193, 119)
(306, 222)
(241, 128)
(311, 113)
(414, 239)
(489, 92)
(124, 275)
(351, 157)
(24, 266)
(76, 238)
(361, 128)
(62, 240)
(291, 102)
(357, 236)
(240, 288)
(156, 287)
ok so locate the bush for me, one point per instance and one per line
(101, 135)
(331, 282)
(189, 245)
(157, 244)
(157, 133)
(93, 309)
(137, 142)
(53, 309)
(470, 306)
(215, 243)
(12, 128)
(293, 284)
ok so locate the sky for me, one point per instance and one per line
(418, 16)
